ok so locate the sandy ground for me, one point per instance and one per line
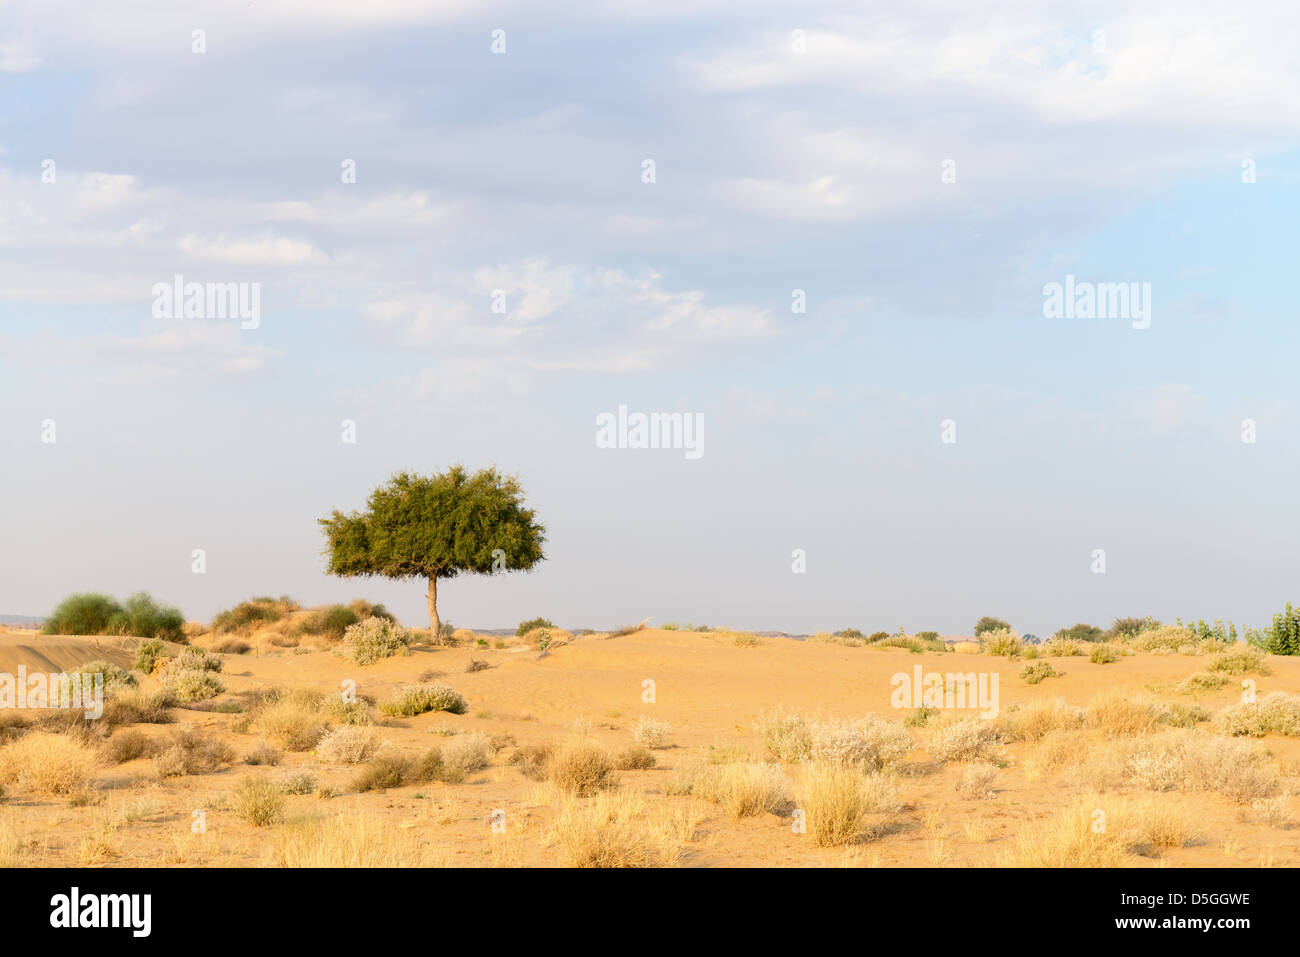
(708, 688)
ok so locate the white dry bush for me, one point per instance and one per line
(349, 744)
(650, 733)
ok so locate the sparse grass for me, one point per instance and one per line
(1238, 661)
(1202, 681)
(616, 830)
(291, 722)
(347, 841)
(976, 781)
(258, 802)
(137, 706)
(189, 751)
(467, 752)
(1034, 721)
(1117, 715)
(418, 699)
(964, 739)
(634, 759)
(392, 770)
(743, 789)
(129, 746)
(785, 734)
(869, 743)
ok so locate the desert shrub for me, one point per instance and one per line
(147, 655)
(232, 646)
(263, 754)
(193, 685)
(1170, 639)
(651, 733)
(526, 626)
(338, 711)
(634, 759)
(869, 743)
(851, 633)
(1202, 681)
(376, 638)
(1062, 648)
(467, 752)
(1103, 654)
(988, 623)
(743, 789)
(417, 699)
(532, 760)
(137, 706)
(347, 745)
(1003, 642)
(1184, 760)
(965, 739)
(1132, 827)
(115, 679)
(393, 770)
(332, 622)
(913, 643)
(581, 769)
(128, 746)
(1034, 721)
(146, 618)
(300, 782)
(633, 629)
(1118, 715)
(48, 764)
(189, 751)
(195, 659)
(1241, 660)
(838, 801)
(252, 614)
(1037, 672)
(976, 781)
(295, 724)
(258, 802)
(1275, 713)
(785, 735)
(476, 664)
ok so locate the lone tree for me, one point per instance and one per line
(437, 526)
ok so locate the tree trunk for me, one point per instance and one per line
(434, 624)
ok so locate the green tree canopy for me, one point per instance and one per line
(437, 526)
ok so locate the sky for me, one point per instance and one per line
(919, 446)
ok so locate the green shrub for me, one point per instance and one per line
(333, 621)
(375, 638)
(1239, 661)
(526, 626)
(988, 623)
(1123, 628)
(95, 614)
(193, 685)
(147, 655)
(849, 633)
(1284, 637)
(248, 615)
(115, 678)
(1080, 632)
(1035, 672)
(145, 618)
(419, 699)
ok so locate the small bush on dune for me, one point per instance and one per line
(1037, 672)
(1003, 642)
(1118, 715)
(651, 733)
(394, 770)
(869, 743)
(374, 639)
(467, 752)
(48, 764)
(1241, 660)
(347, 745)
(1202, 681)
(581, 769)
(137, 706)
(1132, 827)
(785, 734)
(115, 679)
(252, 614)
(1103, 654)
(129, 746)
(526, 626)
(1034, 721)
(838, 802)
(258, 802)
(294, 724)
(189, 751)
(1183, 760)
(332, 622)
(964, 739)
(148, 654)
(1062, 648)
(145, 618)
(96, 614)
(338, 711)
(743, 789)
(532, 760)
(193, 685)
(418, 699)
(634, 759)
(263, 754)
(1275, 713)
(976, 781)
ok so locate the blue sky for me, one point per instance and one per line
(1113, 161)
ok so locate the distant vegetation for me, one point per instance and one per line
(90, 613)
(1080, 632)
(988, 623)
(253, 613)
(526, 626)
